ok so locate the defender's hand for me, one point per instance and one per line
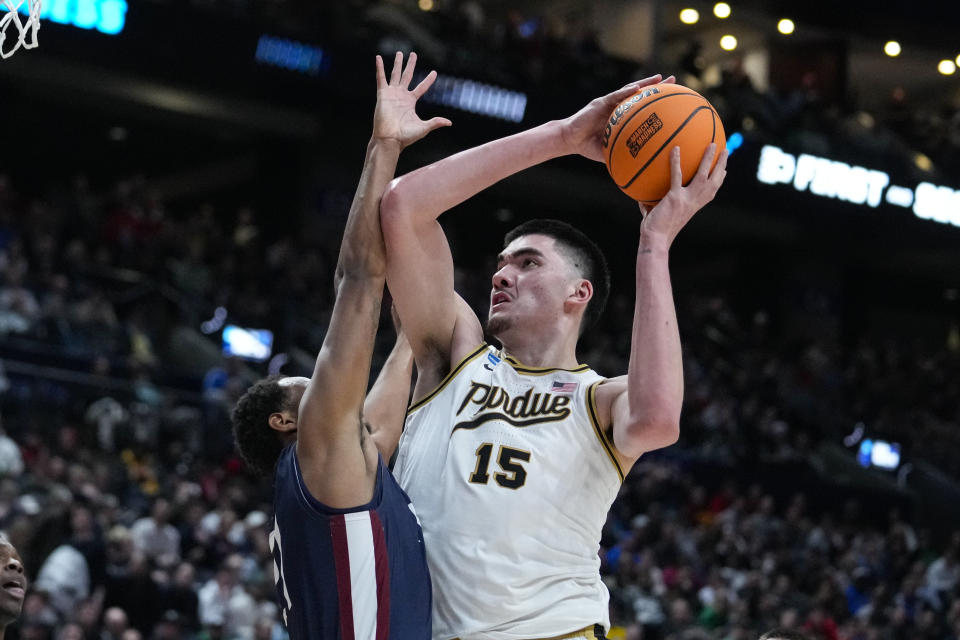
(663, 222)
(583, 131)
(395, 117)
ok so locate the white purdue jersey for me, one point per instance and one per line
(512, 478)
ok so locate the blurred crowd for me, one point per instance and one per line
(685, 560)
(136, 519)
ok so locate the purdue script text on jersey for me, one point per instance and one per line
(512, 478)
(521, 411)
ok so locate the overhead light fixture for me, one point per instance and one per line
(728, 43)
(947, 67)
(721, 10)
(923, 162)
(892, 48)
(689, 16)
(786, 26)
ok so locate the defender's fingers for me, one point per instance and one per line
(704, 169)
(425, 84)
(408, 71)
(676, 171)
(397, 67)
(670, 80)
(381, 74)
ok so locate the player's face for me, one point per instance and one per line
(13, 583)
(532, 281)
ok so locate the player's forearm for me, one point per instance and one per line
(424, 194)
(655, 377)
(362, 253)
(386, 404)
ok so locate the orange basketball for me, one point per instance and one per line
(643, 128)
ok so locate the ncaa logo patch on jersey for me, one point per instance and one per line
(492, 362)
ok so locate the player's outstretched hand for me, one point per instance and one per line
(395, 117)
(668, 217)
(583, 131)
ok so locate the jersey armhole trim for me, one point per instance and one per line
(598, 430)
(308, 501)
(449, 377)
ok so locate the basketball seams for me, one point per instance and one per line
(676, 131)
(638, 109)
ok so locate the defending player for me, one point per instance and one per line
(348, 550)
(514, 456)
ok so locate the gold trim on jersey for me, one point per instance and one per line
(598, 430)
(587, 633)
(539, 371)
(473, 355)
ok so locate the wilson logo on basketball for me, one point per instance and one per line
(622, 108)
(643, 134)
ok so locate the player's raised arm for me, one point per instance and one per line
(644, 407)
(329, 425)
(420, 267)
(385, 408)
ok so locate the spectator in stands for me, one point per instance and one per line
(66, 577)
(784, 634)
(115, 623)
(224, 603)
(155, 536)
(11, 461)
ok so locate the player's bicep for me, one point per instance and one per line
(630, 438)
(613, 412)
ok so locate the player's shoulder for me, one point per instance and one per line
(617, 383)
(605, 391)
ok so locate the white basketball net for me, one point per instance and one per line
(26, 29)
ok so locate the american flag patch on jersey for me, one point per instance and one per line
(564, 387)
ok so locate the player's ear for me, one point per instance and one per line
(282, 422)
(582, 292)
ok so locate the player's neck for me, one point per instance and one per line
(542, 351)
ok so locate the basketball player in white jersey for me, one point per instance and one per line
(514, 455)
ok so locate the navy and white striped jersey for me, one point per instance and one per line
(348, 574)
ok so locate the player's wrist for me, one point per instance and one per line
(558, 135)
(385, 142)
(654, 242)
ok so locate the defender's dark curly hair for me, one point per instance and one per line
(259, 445)
(583, 253)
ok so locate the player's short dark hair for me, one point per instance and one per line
(784, 634)
(259, 445)
(582, 252)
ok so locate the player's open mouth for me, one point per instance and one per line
(14, 588)
(499, 298)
